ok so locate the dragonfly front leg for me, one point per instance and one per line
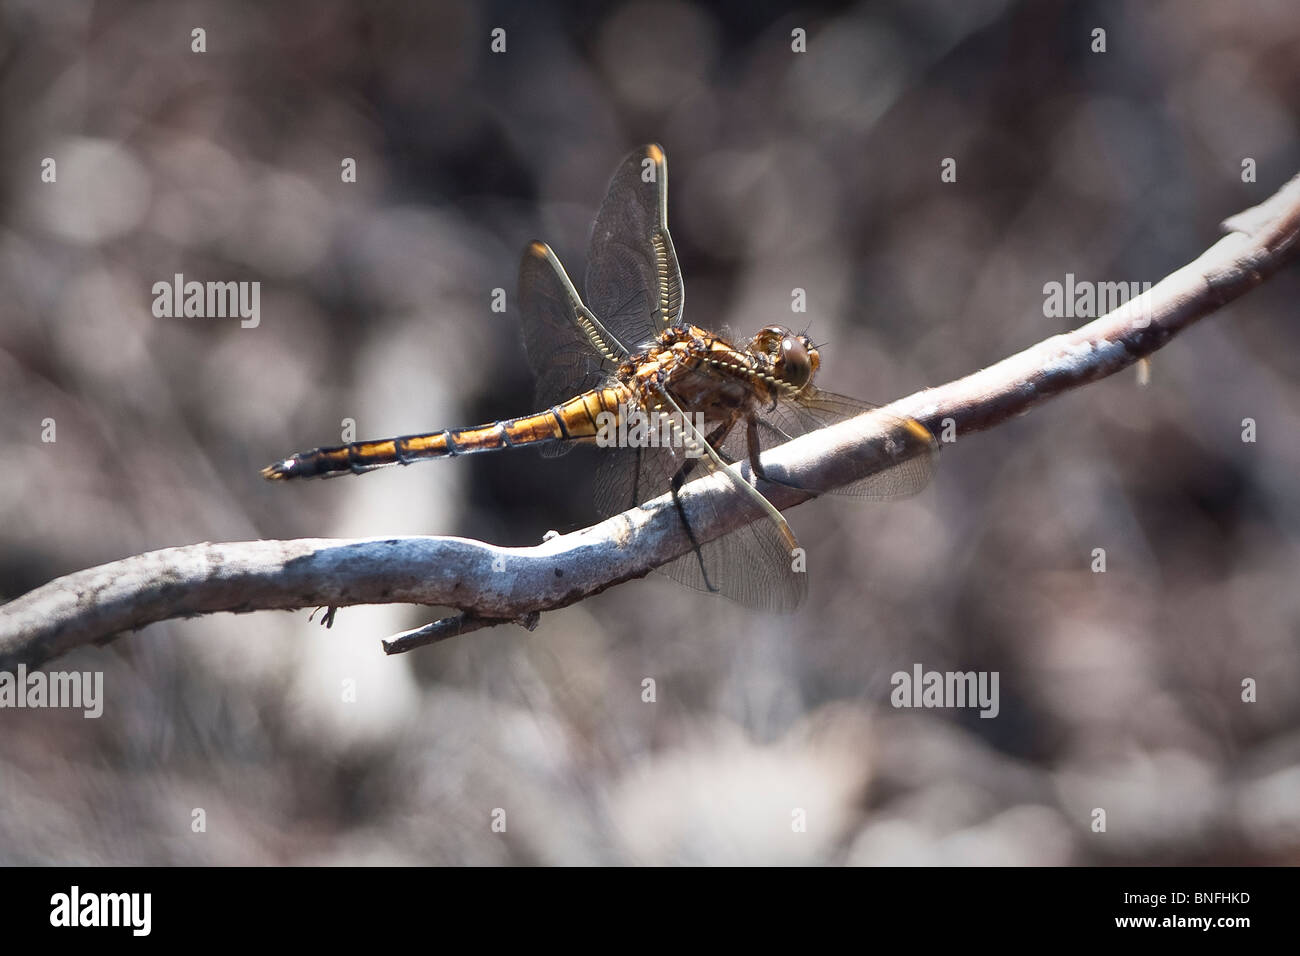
(755, 451)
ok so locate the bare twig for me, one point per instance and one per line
(492, 585)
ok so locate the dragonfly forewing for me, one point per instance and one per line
(633, 281)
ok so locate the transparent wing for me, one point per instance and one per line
(754, 565)
(898, 459)
(633, 281)
(568, 348)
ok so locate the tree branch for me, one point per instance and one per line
(493, 585)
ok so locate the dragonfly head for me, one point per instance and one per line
(793, 358)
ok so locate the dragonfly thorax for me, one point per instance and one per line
(705, 372)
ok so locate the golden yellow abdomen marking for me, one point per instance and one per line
(576, 419)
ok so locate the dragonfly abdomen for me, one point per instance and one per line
(574, 420)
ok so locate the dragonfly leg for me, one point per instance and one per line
(755, 461)
(755, 449)
(715, 438)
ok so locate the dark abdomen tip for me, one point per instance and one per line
(281, 470)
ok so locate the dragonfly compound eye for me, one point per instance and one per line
(814, 357)
(796, 363)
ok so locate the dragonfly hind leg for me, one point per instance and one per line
(714, 439)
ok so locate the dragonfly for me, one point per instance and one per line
(666, 401)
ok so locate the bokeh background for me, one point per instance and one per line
(817, 170)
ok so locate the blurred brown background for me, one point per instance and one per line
(817, 170)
